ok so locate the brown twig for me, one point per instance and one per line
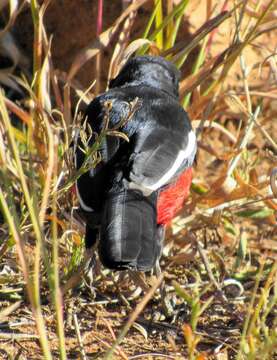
(120, 351)
(79, 337)
(17, 336)
(208, 268)
(139, 308)
(8, 310)
(76, 277)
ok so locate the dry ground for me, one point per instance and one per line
(103, 305)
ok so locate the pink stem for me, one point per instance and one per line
(99, 18)
(209, 44)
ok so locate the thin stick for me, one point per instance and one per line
(99, 55)
(17, 336)
(8, 310)
(273, 182)
(120, 351)
(208, 268)
(244, 140)
(79, 338)
(150, 355)
(266, 134)
(49, 170)
(139, 308)
(33, 292)
(78, 274)
(251, 121)
(55, 283)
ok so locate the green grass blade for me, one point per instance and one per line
(33, 289)
(196, 66)
(204, 30)
(158, 22)
(177, 12)
(151, 20)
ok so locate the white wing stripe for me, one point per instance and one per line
(183, 154)
(83, 205)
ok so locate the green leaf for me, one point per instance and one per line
(261, 213)
(19, 135)
(199, 189)
(175, 14)
(158, 22)
(229, 227)
(150, 21)
(183, 294)
(242, 247)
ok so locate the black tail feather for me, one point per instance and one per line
(151, 249)
(128, 235)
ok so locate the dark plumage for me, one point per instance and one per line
(121, 194)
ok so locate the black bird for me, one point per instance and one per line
(139, 185)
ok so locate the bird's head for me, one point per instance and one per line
(148, 70)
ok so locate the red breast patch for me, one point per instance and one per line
(172, 198)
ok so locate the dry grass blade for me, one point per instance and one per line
(206, 71)
(91, 50)
(9, 310)
(52, 147)
(51, 71)
(55, 283)
(208, 269)
(243, 142)
(13, 4)
(120, 351)
(273, 182)
(139, 308)
(153, 355)
(135, 45)
(17, 336)
(10, 214)
(98, 61)
(213, 124)
(44, 78)
(79, 338)
(123, 38)
(186, 47)
(22, 115)
(76, 277)
(266, 134)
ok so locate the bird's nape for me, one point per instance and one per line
(149, 70)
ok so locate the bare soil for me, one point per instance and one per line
(102, 308)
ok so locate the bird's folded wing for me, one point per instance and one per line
(160, 157)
